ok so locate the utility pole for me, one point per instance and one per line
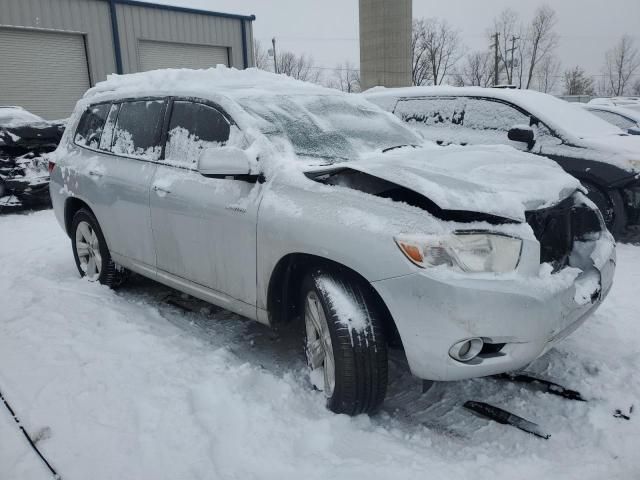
(496, 46)
(512, 50)
(275, 57)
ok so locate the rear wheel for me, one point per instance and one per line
(345, 344)
(91, 253)
(611, 206)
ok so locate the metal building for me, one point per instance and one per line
(385, 43)
(51, 51)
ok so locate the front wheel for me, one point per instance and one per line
(345, 344)
(611, 205)
(91, 253)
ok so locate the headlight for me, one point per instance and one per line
(468, 251)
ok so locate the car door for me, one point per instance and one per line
(487, 121)
(119, 169)
(204, 229)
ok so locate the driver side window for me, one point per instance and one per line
(485, 114)
(194, 127)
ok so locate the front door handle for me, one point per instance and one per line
(95, 173)
(156, 188)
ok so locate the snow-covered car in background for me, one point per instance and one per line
(624, 118)
(25, 139)
(631, 103)
(281, 200)
(604, 158)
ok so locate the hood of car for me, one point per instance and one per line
(616, 144)
(494, 180)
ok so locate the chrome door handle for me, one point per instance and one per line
(156, 188)
(95, 173)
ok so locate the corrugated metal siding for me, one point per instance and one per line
(44, 72)
(139, 23)
(154, 55)
(90, 17)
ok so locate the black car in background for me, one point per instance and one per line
(25, 140)
(603, 157)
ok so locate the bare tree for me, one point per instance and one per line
(420, 72)
(523, 49)
(621, 62)
(541, 39)
(261, 57)
(507, 25)
(300, 67)
(636, 88)
(346, 78)
(443, 48)
(477, 70)
(547, 73)
(576, 82)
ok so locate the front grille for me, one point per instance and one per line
(558, 227)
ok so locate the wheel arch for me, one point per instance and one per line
(285, 283)
(71, 207)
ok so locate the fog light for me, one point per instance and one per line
(466, 349)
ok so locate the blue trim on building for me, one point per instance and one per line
(116, 36)
(245, 53)
(172, 8)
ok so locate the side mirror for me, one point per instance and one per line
(224, 162)
(522, 133)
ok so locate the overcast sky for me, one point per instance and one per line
(328, 29)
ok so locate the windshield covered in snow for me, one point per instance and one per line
(328, 126)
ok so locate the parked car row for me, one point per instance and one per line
(25, 139)
(284, 201)
(604, 158)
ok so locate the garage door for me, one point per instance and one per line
(46, 73)
(153, 55)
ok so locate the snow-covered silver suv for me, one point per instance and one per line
(280, 200)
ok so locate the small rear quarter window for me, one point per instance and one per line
(91, 125)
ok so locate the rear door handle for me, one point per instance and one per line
(156, 188)
(95, 173)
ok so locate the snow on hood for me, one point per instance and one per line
(497, 180)
(628, 145)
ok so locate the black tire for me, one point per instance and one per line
(611, 205)
(110, 274)
(360, 354)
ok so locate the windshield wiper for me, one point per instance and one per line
(385, 150)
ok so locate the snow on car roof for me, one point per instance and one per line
(206, 83)
(10, 116)
(562, 116)
(625, 110)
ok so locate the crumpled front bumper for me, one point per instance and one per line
(433, 312)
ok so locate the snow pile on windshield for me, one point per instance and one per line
(562, 116)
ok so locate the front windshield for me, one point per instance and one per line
(331, 127)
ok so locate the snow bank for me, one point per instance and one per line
(133, 388)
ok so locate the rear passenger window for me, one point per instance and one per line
(91, 124)
(137, 129)
(439, 112)
(193, 128)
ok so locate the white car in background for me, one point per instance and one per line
(624, 117)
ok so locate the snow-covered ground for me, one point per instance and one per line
(131, 387)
